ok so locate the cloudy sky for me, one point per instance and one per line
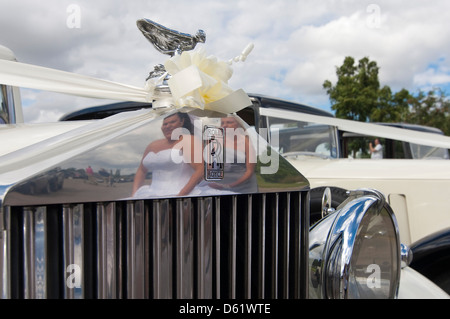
(298, 43)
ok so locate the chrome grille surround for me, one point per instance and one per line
(234, 246)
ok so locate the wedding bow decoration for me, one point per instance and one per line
(197, 80)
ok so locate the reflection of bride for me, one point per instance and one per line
(240, 162)
(173, 171)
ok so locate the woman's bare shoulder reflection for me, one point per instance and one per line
(240, 161)
(174, 171)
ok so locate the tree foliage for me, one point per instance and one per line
(431, 109)
(356, 91)
(357, 95)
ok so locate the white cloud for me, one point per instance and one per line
(298, 44)
(432, 77)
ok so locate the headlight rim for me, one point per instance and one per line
(343, 232)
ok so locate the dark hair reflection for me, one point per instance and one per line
(170, 161)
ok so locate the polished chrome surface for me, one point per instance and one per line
(95, 240)
(137, 258)
(185, 248)
(34, 238)
(326, 203)
(236, 246)
(168, 41)
(109, 250)
(73, 240)
(205, 246)
(406, 255)
(115, 162)
(214, 146)
(5, 252)
(334, 239)
(357, 193)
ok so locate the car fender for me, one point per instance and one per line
(413, 285)
(432, 257)
(436, 243)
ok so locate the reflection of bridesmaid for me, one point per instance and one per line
(239, 174)
(171, 161)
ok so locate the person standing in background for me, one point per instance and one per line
(376, 150)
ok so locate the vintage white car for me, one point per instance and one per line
(416, 189)
(136, 234)
(315, 143)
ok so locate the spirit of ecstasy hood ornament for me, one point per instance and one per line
(188, 77)
(168, 41)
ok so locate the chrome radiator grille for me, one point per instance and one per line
(242, 246)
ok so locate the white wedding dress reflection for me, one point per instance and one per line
(234, 169)
(169, 174)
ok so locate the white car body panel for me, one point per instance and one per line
(416, 189)
(25, 135)
(415, 286)
(59, 142)
(6, 54)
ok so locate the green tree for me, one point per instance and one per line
(357, 96)
(431, 109)
(356, 92)
(391, 107)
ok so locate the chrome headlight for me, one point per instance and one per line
(355, 252)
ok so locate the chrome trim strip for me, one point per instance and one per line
(205, 254)
(163, 224)
(302, 234)
(108, 286)
(73, 251)
(68, 243)
(233, 248)
(34, 254)
(248, 251)
(137, 275)
(5, 252)
(218, 260)
(28, 254)
(185, 249)
(275, 232)
(286, 240)
(262, 247)
(40, 241)
(297, 239)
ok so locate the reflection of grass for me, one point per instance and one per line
(262, 184)
(285, 177)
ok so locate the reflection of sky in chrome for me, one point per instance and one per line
(122, 153)
(125, 152)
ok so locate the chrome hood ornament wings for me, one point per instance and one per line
(168, 41)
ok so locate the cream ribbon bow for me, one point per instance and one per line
(197, 80)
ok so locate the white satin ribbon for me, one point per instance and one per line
(190, 86)
(41, 78)
(369, 129)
